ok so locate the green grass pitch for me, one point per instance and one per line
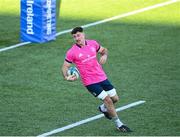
(143, 64)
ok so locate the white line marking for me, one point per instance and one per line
(130, 13)
(101, 21)
(88, 120)
(14, 46)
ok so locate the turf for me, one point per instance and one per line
(70, 15)
(143, 64)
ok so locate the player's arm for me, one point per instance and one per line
(104, 53)
(65, 68)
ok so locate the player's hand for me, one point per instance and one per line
(71, 78)
(103, 59)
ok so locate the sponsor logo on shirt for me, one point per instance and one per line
(80, 55)
(93, 49)
(89, 58)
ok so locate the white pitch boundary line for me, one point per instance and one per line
(88, 120)
(14, 46)
(100, 22)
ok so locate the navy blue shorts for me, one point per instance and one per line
(97, 88)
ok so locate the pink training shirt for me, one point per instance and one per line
(85, 59)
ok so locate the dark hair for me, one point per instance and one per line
(77, 29)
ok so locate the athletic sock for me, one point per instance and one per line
(117, 121)
(103, 108)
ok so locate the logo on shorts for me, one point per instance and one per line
(94, 94)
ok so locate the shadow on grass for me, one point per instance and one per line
(10, 27)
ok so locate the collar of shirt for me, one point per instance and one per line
(81, 46)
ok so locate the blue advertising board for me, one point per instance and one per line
(38, 20)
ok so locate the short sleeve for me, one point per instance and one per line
(97, 45)
(69, 56)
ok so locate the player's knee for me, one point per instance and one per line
(115, 99)
(108, 100)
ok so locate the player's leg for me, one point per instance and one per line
(109, 112)
(109, 105)
(115, 98)
(113, 114)
(113, 94)
(97, 91)
(103, 108)
(109, 88)
(109, 102)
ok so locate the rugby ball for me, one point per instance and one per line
(73, 71)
